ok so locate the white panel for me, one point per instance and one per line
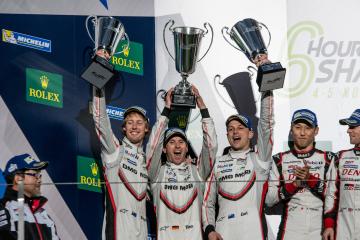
(79, 7)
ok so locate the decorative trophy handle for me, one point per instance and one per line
(226, 29)
(212, 38)
(260, 23)
(252, 71)
(162, 93)
(87, 26)
(127, 45)
(217, 76)
(172, 24)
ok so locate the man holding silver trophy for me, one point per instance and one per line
(187, 41)
(178, 184)
(123, 161)
(248, 39)
(238, 182)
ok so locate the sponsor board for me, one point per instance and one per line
(44, 87)
(130, 60)
(115, 112)
(88, 174)
(26, 40)
(324, 67)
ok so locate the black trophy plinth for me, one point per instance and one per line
(99, 72)
(270, 76)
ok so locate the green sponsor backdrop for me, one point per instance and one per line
(44, 87)
(88, 173)
(130, 60)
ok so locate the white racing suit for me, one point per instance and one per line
(238, 184)
(178, 189)
(304, 212)
(348, 219)
(126, 180)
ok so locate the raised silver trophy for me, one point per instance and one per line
(246, 34)
(187, 42)
(108, 32)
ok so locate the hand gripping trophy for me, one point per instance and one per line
(187, 43)
(247, 36)
(108, 32)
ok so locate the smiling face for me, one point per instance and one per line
(238, 135)
(303, 135)
(176, 149)
(354, 135)
(135, 128)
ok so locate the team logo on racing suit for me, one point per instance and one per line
(123, 210)
(164, 228)
(351, 186)
(189, 227)
(132, 162)
(352, 166)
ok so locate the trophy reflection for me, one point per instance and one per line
(108, 32)
(248, 39)
(187, 42)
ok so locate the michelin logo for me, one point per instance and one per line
(115, 113)
(26, 40)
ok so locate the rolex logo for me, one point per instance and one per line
(126, 50)
(94, 169)
(181, 121)
(44, 81)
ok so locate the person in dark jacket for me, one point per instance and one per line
(37, 223)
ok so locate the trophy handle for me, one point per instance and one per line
(226, 30)
(252, 71)
(268, 33)
(87, 26)
(162, 93)
(217, 76)
(172, 24)
(212, 38)
(127, 45)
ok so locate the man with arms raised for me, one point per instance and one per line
(178, 185)
(125, 170)
(238, 179)
(348, 165)
(299, 178)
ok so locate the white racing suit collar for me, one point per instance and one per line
(133, 147)
(239, 154)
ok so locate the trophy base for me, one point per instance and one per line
(99, 72)
(270, 76)
(183, 101)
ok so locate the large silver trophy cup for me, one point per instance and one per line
(187, 42)
(108, 32)
(246, 34)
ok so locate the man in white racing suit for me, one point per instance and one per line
(238, 180)
(348, 165)
(177, 186)
(124, 171)
(300, 179)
